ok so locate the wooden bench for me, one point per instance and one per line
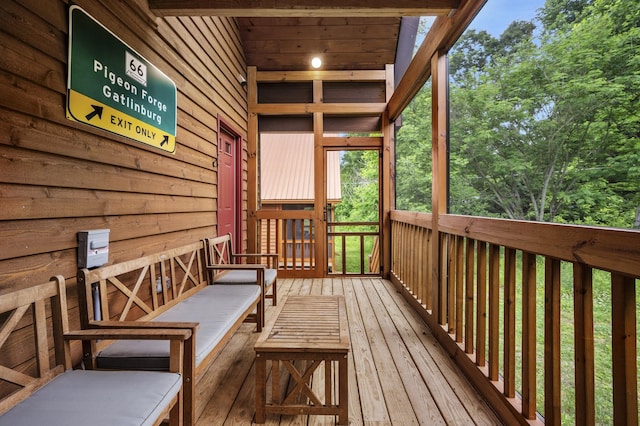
(166, 289)
(225, 267)
(46, 393)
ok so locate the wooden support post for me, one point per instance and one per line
(388, 178)
(320, 183)
(439, 141)
(252, 162)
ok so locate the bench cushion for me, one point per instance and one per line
(97, 398)
(216, 308)
(241, 276)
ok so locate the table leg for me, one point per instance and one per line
(343, 405)
(261, 388)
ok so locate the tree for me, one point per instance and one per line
(539, 124)
(560, 14)
(545, 125)
(360, 197)
(413, 154)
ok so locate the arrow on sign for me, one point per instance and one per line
(97, 110)
(165, 140)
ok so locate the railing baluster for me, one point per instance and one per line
(624, 351)
(294, 244)
(481, 308)
(529, 335)
(278, 238)
(362, 254)
(344, 254)
(552, 402)
(414, 254)
(285, 244)
(469, 299)
(509, 322)
(451, 281)
(425, 263)
(441, 277)
(405, 254)
(459, 291)
(494, 311)
(583, 332)
(312, 250)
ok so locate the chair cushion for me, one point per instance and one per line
(97, 398)
(216, 308)
(241, 276)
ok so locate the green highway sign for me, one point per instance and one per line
(112, 87)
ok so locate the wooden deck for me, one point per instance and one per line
(398, 373)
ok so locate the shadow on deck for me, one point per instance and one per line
(398, 372)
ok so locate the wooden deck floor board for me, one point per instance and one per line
(395, 366)
(355, 407)
(458, 388)
(440, 390)
(396, 396)
(227, 381)
(373, 404)
(401, 347)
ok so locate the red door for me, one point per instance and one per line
(227, 184)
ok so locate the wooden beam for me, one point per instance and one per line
(252, 162)
(302, 8)
(443, 34)
(291, 76)
(333, 108)
(353, 142)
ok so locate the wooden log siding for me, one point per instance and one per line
(480, 270)
(58, 177)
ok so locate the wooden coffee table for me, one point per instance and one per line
(312, 329)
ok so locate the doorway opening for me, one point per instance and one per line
(229, 182)
(353, 223)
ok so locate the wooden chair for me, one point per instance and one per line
(43, 392)
(225, 266)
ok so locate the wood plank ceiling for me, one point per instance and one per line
(283, 35)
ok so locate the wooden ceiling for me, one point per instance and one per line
(283, 35)
(283, 44)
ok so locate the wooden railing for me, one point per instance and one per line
(352, 244)
(291, 234)
(514, 304)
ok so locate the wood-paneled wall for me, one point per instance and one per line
(58, 177)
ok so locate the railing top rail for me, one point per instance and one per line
(353, 223)
(353, 233)
(610, 249)
(284, 214)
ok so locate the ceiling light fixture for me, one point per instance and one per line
(316, 62)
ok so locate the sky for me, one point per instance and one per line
(496, 15)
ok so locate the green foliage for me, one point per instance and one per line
(559, 14)
(547, 127)
(359, 173)
(545, 122)
(413, 154)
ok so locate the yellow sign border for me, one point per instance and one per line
(84, 109)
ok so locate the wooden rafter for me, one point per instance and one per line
(301, 8)
(444, 32)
